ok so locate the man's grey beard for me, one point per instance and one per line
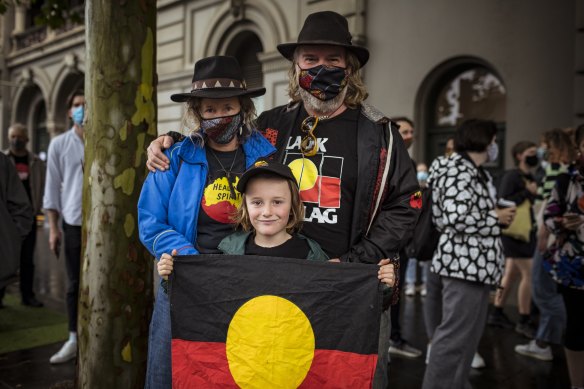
(320, 107)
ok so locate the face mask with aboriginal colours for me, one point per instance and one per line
(222, 130)
(323, 82)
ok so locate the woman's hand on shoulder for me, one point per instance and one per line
(166, 264)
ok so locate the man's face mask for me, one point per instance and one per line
(323, 82)
(17, 144)
(222, 130)
(78, 115)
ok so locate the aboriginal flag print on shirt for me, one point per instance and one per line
(218, 205)
(327, 180)
(264, 322)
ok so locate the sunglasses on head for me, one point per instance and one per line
(309, 143)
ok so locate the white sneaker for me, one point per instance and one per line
(66, 353)
(532, 350)
(477, 362)
(423, 290)
(410, 290)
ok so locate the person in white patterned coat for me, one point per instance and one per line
(469, 257)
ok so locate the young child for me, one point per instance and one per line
(270, 216)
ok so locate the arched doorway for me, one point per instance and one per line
(31, 110)
(461, 91)
(41, 137)
(71, 82)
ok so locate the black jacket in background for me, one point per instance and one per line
(16, 218)
(383, 218)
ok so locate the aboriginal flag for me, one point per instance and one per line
(263, 322)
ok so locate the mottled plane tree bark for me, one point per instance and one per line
(116, 272)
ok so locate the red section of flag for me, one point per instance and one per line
(204, 365)
(311, 195)
(200, 365)
(340, 369)
(330, 192)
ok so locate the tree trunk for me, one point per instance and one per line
(115, 300)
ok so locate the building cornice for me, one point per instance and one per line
(66, 41)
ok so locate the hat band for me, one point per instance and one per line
(218, 83)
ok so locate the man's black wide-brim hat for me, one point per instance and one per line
(216, 78)
(325, 28)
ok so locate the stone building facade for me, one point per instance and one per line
(518, 62)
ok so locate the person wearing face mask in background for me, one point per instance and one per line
(519, 186)
(559, 152)
(564, 216)
(398, 346)
(63, 200)
(412, 269)
(469, 257)
(31, 171)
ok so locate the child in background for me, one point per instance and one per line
(270, 216)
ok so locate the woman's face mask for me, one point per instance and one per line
(222, 130)
(531, 160)
(323, 82)
(492, 152)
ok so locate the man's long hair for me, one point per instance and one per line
(356, 90)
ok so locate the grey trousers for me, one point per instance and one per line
(380, 380)
(455, 340)
(432, 304)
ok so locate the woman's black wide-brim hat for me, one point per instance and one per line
(216, 78)
(325, 28)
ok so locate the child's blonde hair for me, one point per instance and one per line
(241, 218)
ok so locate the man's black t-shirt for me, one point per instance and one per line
(292, 248)
(217, 205)
(328, 180)
(23, 170)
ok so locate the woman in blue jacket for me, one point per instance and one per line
(188, 208)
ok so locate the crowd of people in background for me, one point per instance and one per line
(476, 237)
(525, 229)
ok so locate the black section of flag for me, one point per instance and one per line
(341, 300)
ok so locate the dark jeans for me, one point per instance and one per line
(574, 301)
(26, 266)
(72, 264)
(395, 309)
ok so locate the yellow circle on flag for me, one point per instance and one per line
(270, 344)
(305, 172)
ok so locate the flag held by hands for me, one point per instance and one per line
(262, 322)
